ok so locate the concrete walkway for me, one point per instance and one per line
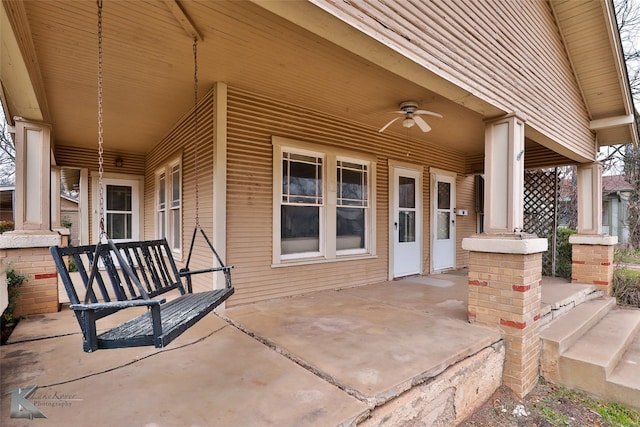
(324, 359)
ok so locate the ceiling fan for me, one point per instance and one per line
(409, 109)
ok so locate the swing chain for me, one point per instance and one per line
(100, 128)
(195, 115)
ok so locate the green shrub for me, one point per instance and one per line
(563, 253)
(6, 225)
(66, 222)
(14, 282)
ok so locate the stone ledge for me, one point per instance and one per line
(508, 244)
(593, 239)
(15, 240)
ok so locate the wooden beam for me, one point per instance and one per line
(183, 19)
(610, 122)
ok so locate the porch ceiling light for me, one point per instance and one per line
(408, 122)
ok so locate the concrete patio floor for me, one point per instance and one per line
(324, 359)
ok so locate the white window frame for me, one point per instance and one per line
(328, 229)
(366, 207)
(167, 170)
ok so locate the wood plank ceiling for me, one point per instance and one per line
(148, 71)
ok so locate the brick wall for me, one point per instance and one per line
(39, 294)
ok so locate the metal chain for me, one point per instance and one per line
(100, 129)
(195, 115)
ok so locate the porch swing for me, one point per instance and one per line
(136, 274)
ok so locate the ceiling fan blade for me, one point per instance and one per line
(424, 126)
(389, 124)
(428, 113)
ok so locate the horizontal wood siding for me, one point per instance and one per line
(465, 225)
(182, 141)
(252, 121)
(79, 157)
(508, 53)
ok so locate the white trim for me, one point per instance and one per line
(505, 245)
(593, 239)
(219, 176)
(32, 239)
(437, 171)
(84, 206)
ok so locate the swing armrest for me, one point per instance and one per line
(117, 304)
(184, 272)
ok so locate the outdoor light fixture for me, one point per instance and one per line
(119, 162)
(408, 122)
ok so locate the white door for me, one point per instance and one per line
(122, 211)
(443, 222)
(406, 222)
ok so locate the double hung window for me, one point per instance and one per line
(169, 204)
(322, 203)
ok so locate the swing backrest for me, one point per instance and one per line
(150, 261)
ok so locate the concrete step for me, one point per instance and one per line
(559, 298)
(588, 363)
(623, 385)
(562, 333)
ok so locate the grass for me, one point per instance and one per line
(617, 415)
(554, 417)
(613, 414)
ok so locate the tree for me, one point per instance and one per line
(7, 153)
(628, 18)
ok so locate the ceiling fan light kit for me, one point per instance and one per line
(409, 109)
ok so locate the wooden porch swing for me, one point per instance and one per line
(136, 274)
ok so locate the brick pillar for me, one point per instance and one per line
(39, 294)
(29, 255)
(505, 276)
(592, 260)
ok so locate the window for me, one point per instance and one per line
(322, 203)
(351, 205)
(169, 204)
(302, 202)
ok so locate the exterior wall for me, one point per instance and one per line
(182, 141)
(515, 60)
(252, 121)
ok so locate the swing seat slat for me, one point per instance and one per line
(129, 275)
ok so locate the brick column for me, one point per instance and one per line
(29, 255)
(505, 274)
(592, 260)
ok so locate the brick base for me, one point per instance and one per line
(593, 264)
(505, 292)
(39, 294)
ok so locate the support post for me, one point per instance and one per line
(592, 251)
(505, 265)
(504, 175)
(26, 248)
